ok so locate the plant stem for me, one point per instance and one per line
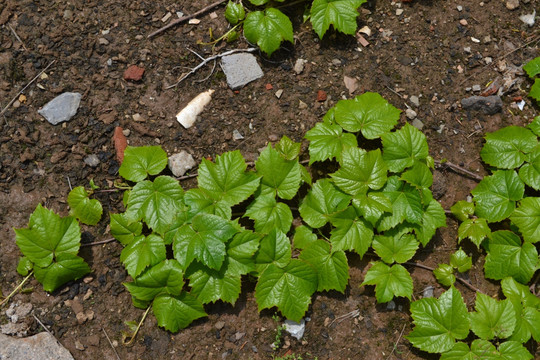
(459, 169)
(463, 281)
(132, 339)
(16, 289)
(99, 242)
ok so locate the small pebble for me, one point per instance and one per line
(428, 292)
(512, 4)
(459, 8)
(299, 66)
(133, 73)
(103, 41)
(302, 105)
(417, 123)
(415, 101)
(137, 117)
(219, 325)
(237, 135)
(475, 40)
(410, 113)
(391, 305)
(126, 132)
(463, 22)
(476, 88)
(399, 12)
(91, 160)
(78, 345)
(467, 49)
(279, 93)
(336, 62)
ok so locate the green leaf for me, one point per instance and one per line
(419, 176)
(163, 278)
(398, 248)
(234, 12)
(139, 162)
(480, 349)
(332, 267)
(66, 267)
(496, 195)
(445, 274)
(288, 149)
(177, 312)
(269, 214)
(474, 229)
(88, 211)
(368, 113)
(406, 205)
(328, 141)
(402, 148)
(279, 174)
(200, 201)
(532, 68)
(48, 236)
(433, 218)
(123, 229)
(24, 266)
(360, 171)
(268, 29)
(530, 171)
(226, 181)
(289, 288)
(156, 202)
(275, 249)
(372, 206)
(212, 285)
(240, 251)
(460, 261)
(506, 147)
(462, 210)
(389, 281)
(204, 239)
(513, 350)
(341, 14)
(492, 318)
(303, 237)
(259, 2)
(143, 252)
(508, 257)
(351, 232)
(535, 125)
(527, 310)
(321, 202)
(535, 90)
(439, 322)
(527, 218)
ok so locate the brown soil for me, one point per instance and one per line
(38, 161)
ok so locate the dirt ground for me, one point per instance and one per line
(429, 50)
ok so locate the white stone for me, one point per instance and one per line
(410, 113)
(295, 329)
(181, 162)
(61, 108)
(299, 66)
(240, 69)
(415, 101)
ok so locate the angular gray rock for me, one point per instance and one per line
(487, 104)
(295, 329)
(61, 108)
(240, 69)
(42, 346)
(181, 162)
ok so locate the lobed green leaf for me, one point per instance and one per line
(87, 210)
(139, 162)
(404, 147)
(339, 13)
(268, 29)
(332, 267)
(389, 281)
(506, 147)
(492, 318)
(328, 141)
(527, 219)
(322, 201)
(177, 312)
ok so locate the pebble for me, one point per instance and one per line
(391, 305)
(133, 73)
(103, 41)
(91, 160)
(137, 117)
(467, 49)
(79, 346)
(61, 108)
(417, 123)
(240, 69)
(476, 88)
(487, 39)
(181, 162)
(295, 329)
(237, 135)
(399, 12)
(415, 100)
(299, 66)
(463, 22)
(279, 93)
(512, 4)
(410, 113)
(321, 95)
(219, 325)
(528, 18)
(39, 346)
(16, 104)
(126, 132)
(459, 8)
(475, 40)
(428, 292)
(336, 62)
(487, 104)
(302, 105)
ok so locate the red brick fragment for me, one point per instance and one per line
(133, 73)
(120, 143)
(321, 95)
(269, 87)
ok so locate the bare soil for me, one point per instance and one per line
(420, 52)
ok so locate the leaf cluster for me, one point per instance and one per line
(532, 68)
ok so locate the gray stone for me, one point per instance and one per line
(512, 4)
(476, 88)
(295, 329)
(240, 69)
(237, 135)
(91, 160)
(391, 305)
(410, 113)
(61, 108)
(417, 123)
(299, 66)
(219, 325)
(415, 100)
(42, 346)
(487, 104)
(181, 162)
(428, 292)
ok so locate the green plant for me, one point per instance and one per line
(459, 261)
(267, 26)
(279, 333)
(532, 68)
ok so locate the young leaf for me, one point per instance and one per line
(210, 285)
(48, 236)
(439, 322)
(360, 171)
(328, 141)
(372, 206)
(275, 249)
(496, 195)
(303, 237)
(339, 13)
(234, 12)
(460, 261)
(24, 266)
(123, 229)
(519, 292)
(351, 232)
(508, 257)
(389, 281)
(155, 202)
(269, 214)
(532, 68)
(368, 113)
(268, 29)
(530, 171)
(462, 210)
(492, 318)
(527, 219)
(474, 229)
(480, 349)
(406, 205)
(506, 147)
(402, 148)
(397, 248)
(321, 202)
(139, 162)
(200, 201)
(143, 252)
(163, 278)
(87, 210)
(288, 149)
(332, 267)
(433, 218)
(419, 176)
(204, 239)
(177, 312)
(66, 267)
(535, 125)
(289, 288)
(527, 320)
(283, 176)
(445, 274)
(240, 251)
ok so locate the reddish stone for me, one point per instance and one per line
(133, 73)
(269, 87)
(120, 143)
(321, 95)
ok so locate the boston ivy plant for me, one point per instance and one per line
(532, 68)
(267, 26)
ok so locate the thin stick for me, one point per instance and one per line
(137, 329)
(394, 91)
(44, 327)
(459, 169)
(397, 342)
(17, 36)
(24, 88)
(185, 18)
(16, 289)
(205, 61)
(98, 242)
(110, 343)
(69, 183)
(463, 281)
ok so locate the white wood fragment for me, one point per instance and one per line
(187, 116)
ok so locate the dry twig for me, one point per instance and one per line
(110, 343)
(459, 169)
(463, 281)
(98, 242)
(17, 36)
(397, 342)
